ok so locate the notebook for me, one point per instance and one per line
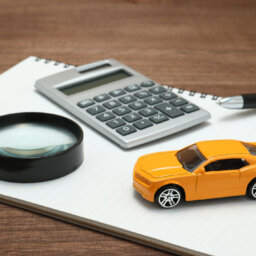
(99, 195)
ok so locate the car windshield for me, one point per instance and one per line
(190, 157)
(250, 147)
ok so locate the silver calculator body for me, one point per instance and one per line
(119, 102)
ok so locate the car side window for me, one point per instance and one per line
(226, 164)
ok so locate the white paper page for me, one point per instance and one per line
(101, 189)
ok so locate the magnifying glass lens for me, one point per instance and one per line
(34, 140)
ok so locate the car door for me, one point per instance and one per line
(219, 178)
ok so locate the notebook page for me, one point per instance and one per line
(101, 189)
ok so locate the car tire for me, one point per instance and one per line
(169, 196)
(251, 191)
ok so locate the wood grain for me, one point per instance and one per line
(207, 46)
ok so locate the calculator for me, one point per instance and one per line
(119, 102)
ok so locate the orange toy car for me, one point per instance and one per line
(206, 169)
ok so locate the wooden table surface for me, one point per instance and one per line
(207, 46)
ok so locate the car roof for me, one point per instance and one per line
(215, 148)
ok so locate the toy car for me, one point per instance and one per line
(204, 170)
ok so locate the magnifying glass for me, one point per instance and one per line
(38, 147)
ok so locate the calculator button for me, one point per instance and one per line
(127, 99)
(153, 100)
(95, 110)
(122, 110)
(190, 108)
(115, 123)
(117, 92)
(85, 103)
(158, 90)
(148, 111)
(137, 105)
(125, 130)
(105, 116)
(132, 117)
(142, 124)
(112, 104)
(147, 84)
(158, 118)
(142, 94)
(167, 95)
(101, 97)
(169, 110)
(178, 102)
(132, 88)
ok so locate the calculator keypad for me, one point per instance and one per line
(137, 107)
(142, 124)
(169, 110)
(158, 118)
(112, 104)
(101, 97)
(105, 116)
(167, 95)
(178, 102)
(127, 99)
(85, 103)
(95, 110)
(125, 130)
(122, 110)
(132, 88)
(132, 117)
(142, 94)
(190, 108)
(117, 92)
(157, 90)
(148, 111)
(153, 100)
(115, 123)
(147, 84)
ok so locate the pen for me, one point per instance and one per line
(239, 101)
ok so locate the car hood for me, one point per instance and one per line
(162, 164)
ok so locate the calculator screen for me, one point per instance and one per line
(95, 82)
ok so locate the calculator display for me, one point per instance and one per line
(95, 82)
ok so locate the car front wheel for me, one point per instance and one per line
(252, 190)
(169, 196)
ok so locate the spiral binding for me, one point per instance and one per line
(193, 93)
(180, 91)
(55, 63)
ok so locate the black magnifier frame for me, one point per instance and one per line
(42, 168)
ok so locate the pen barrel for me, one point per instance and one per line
(249, 100)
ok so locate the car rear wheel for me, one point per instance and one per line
(169, 196)
(252, 190)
